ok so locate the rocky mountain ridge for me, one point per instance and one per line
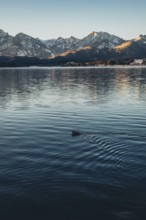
(22, 45)
(97, 39)
(132, 49)
(95, 46)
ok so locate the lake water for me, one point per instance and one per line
(45, 173)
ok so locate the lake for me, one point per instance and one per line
(45, 172)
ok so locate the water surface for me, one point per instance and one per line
(45, 173)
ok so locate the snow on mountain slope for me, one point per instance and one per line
(100, 45)
(61, 45)
(97, 39)
(5, 40)
(22, 45)
(132, 49)
(100, 40)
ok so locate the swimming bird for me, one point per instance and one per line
(75, 133)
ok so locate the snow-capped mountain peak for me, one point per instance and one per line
(61, 45)
(25, 45)
(100, 40)
(5, 40)
(94, 34)
(141, 38)
(2, 33)
(22, 45)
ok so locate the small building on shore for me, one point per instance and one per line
(137, 62)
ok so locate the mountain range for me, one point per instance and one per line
(93, 47)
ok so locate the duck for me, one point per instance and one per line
(75, 133)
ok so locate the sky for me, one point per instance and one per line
(48, 19)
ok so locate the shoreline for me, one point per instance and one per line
(79, 67)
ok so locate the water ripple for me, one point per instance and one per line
(43, 169)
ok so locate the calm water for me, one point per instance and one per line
(45, 173)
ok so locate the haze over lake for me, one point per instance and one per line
(45, 173)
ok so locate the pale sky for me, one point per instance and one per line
(48, 19)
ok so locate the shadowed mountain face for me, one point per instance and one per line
(96, 39)
(95, 46)
(134, 49)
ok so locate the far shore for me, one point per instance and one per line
(77, 67)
